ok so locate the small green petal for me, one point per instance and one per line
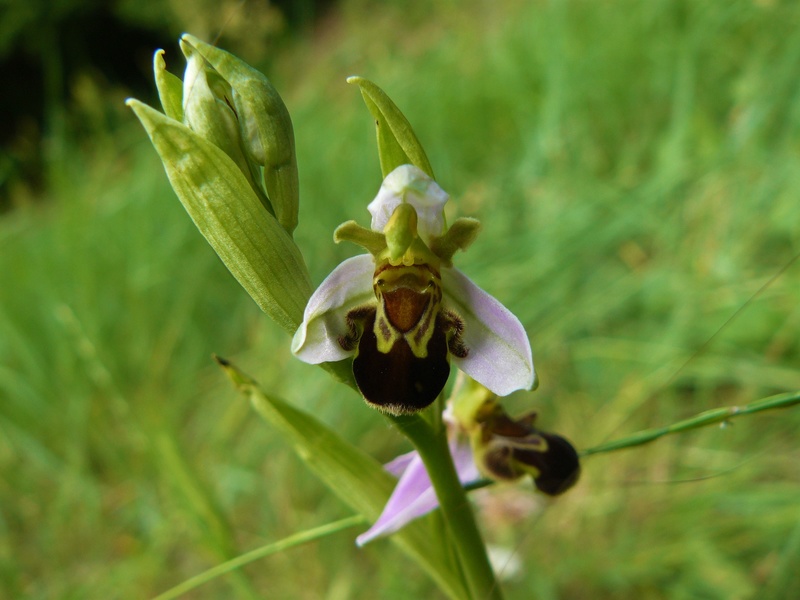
(251, 243)
(266, 128)
(170, 88)
(372, 241)
(397, 143)
(459, 237)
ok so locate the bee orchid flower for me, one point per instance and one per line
(404, 312)
(485, 444)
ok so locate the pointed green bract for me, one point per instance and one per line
(397, 143)
(170, 88)
(266, 128)
(251, 243)
(354, 476)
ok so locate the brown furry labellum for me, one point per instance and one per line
(403, 344)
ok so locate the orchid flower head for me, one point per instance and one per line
(485, 444)
(506, 448)
(404, 312)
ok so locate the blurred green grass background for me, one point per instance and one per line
(635, 166)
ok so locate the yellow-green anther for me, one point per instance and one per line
(401, 231)
(170, 88)
(266, 128)
(206, 110)
(397, 143)
(459, 237)
(250, 241)
(373, 242)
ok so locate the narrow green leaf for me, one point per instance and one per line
(357, 478)
(397, 143)
(390, 153)
(170, 88)
(209, 518)
(266, 128)
(297, 539)
(251, 243)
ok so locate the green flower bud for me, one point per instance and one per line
(207, 111)
(224, 125)
(265, 127)
(249, 240)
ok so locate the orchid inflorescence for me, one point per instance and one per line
(389, 321)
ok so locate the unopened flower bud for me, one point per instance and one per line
(265, 128)
(206, 143)
(207, 111)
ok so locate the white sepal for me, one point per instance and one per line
(324, 319)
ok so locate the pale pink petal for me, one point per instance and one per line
(499, 353)
(414, 495)
(398, 465)
(348, 286)
(462, 459)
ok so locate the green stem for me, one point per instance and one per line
(709, 417)
(435, 453)
(430, 440)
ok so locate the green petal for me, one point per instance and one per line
(397, 143)
(215, 193)
(373, 242)
(266, 128)
(459, 237)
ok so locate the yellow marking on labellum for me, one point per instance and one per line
(409, 299)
